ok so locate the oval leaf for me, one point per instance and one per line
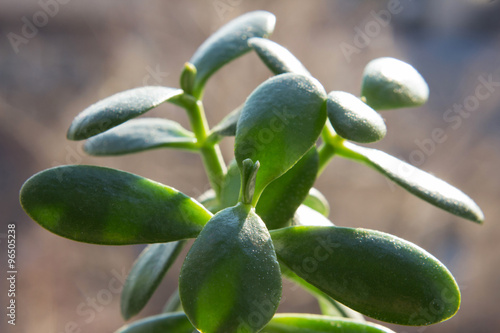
(167, 322)
(377, 274)
(146, 274)
(283, 196)
(309, 217)
(118, 108)
(139, 135)
(301, 323)
(420, 183)
(277, 58)
(228, 43)
(107, 206)
(390, 83)
(231, 274)
(317, 201)
(227, 126)
(230, 189)
(354, 120)
(328, 305)
(280, 122)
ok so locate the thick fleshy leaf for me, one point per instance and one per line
(118, 108)
(107, 206)
(277, 58)
(231, 274)
(173, 303)
(228, 43)
(146, 274)
(418, 182)
(390, 83)
(310, 323)
(317, 201)
(377, 274)
(283, 196)
(354, 120)
(280, 122)
(167, 322)
(328, 305)
(230, 189)
(309, 217)
(139, 135)
(227, 126)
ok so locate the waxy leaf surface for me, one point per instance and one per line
(230, 274)
(310, 217)
(118, 108)
(310, 323)
(167, 322)
(317, 201)
(283, 196)
(146, 274)
(280, 122)
(390, 83)
(354, 120)
(277, 58)
(227, 126)
(228, 43)
(420, 183)
(107, 206)
(377, 274)
(139, 135)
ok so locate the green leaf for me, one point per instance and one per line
(209, 200)
(228, 43)
(146, 274)
(248, 175)
(331, 307)
(354, 120)
(417, 182)
(317, 201)
(118, 108)
(173, 303)
(231, 275)
(328, 305)
(389, 83)
(283, 196)
(309, 217)
(107, 206)
(141, 134)
(188, 77)
(230, 189)
(167, 322)
(280, 122)
(310, 323)
(377, 274)
(277, 58)
(227, 126)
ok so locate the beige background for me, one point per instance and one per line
(91, 49)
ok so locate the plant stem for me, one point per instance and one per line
(327, 149)
(210, 152)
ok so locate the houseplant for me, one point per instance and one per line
(262, 219)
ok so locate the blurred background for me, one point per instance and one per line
(59, 56)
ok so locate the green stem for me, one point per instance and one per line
(327, 149)
(326, 152)
(210, 152)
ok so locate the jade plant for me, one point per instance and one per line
(262, 220)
